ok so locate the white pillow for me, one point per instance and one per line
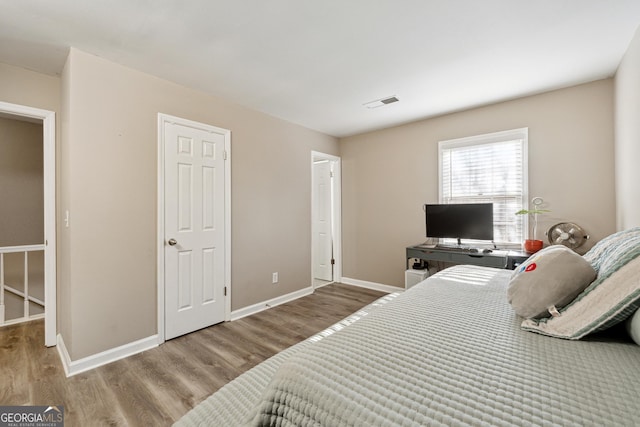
(633, 327)
(547, 281)
(609, 300)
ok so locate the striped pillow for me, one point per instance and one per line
(610, 299)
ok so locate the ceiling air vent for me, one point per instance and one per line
(381, 102)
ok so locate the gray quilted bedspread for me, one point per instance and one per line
(448, 352)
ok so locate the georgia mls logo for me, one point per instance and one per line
(54, 409)
(32, 416)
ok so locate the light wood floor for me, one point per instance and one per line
(157, 387)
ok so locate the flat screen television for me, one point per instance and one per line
(472, 221)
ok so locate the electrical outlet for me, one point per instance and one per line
(274, 278)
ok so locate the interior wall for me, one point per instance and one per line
(110, 145)
(389, 174)
(24, 87)
(21, 174)
(627, 131)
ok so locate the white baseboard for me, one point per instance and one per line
(371, 285)
(261, 306)
(73, 367)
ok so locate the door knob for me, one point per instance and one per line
(172, 242)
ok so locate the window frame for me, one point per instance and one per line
(490, 138)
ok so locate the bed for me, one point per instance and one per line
(452, 351)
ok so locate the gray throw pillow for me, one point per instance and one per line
(547, 281)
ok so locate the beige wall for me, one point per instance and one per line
(21, 175)
(627, 129)
(389, 174)
(24, 87)
(110, 156)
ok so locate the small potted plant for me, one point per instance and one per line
(533, 245)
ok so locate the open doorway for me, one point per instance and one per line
(326, 248)
(27, 233)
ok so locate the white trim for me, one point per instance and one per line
(23, 320)
(73, 367)
(371, 285)
(337, 224)
(49, 175)
(261, 306)
(227, 227)
(162, 119)
(337, 212)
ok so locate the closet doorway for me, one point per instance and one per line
(326, 248)
(27, 232)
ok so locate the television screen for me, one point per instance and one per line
(460, 221)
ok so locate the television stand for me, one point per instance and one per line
(498, 258)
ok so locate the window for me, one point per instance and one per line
(489, 168)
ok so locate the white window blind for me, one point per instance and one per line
(489, 168)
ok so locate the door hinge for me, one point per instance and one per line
(333, 261)
(330, 174)
(224, 154)
(225, 291)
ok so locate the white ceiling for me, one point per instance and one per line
(316, 63)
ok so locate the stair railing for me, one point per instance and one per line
(24, 294)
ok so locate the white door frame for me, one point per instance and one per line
(49, 174)
(336, 211)
(162, 120)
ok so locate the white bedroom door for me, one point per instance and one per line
(322, 224)
(194, 231)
